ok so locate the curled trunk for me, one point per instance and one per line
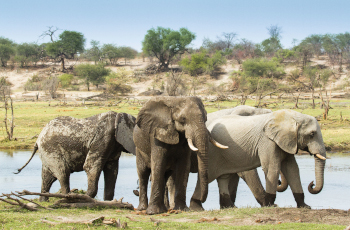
(319, 174)
(284, 184)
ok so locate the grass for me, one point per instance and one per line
(31, 117)
(242, 218)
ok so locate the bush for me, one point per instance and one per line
(66, 80)
(261, 67)
(199, 63)
(116, 83)
(34, 84)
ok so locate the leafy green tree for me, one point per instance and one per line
(343, 45)
(257, 76)
(127, 53)
(165, 43)
(315, 42)
(27, 52)
(95, 52)
(283, 54)
(7, 49)
(304, 51)
(111, 52)
(92, 74)
(272, 44)
(69, 44)
(330, 46)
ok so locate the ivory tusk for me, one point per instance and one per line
(320, 156)
(190, 144)
(217, 144)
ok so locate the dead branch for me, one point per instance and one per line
(19, 203)
(30, 201)
(73, 200)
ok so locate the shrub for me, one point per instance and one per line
(116, 83)
(66, 80)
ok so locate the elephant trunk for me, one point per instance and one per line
(319, 173)
(201, 141)
(284, 184)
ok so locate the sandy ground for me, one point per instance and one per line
(19, 76)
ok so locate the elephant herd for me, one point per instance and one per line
(173, 136)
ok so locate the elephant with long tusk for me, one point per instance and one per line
(167, 130)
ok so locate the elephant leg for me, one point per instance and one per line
(181, 179)
(47, 180)
(196, 204)
(156, 203)
(110, 173)
(172, 190)
(253, 181)
(143, 173)
(232, 187)
(93, 175)
(225, 199)
(166, 190)
(290, 170)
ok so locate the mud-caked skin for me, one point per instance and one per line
(93, 144)
(165, 128)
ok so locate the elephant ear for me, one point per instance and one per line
(283, 130)
(124, 126)
(156, 117)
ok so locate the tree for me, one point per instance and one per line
(272, 44)
(311, 74)
(6, 50)
(92, 74)
(343, 44)
(165, 43)
(27, 52)
(229, 38)
(5, 93)
(127, 52)
(111, 52)
(315, 41)
(330, 46)
(95, 52)
(69, 44)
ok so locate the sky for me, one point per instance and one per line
(126, 22)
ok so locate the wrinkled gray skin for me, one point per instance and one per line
(250, 177)
(163, 127)
(268, 140)
(93, 144)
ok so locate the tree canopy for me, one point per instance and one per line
(69, 44)
(165, 43)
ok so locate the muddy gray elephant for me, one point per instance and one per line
(167, 129)
(93, 144)
(268, 140)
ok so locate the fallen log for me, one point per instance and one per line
(71, 200)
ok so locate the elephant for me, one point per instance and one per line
(166, 130)
(251, 177)
(269, 140)
(93, 144)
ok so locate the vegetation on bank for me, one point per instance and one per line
(31, 117)
(238, 218)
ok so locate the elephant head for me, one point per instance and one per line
(291, 131)
(165, 118)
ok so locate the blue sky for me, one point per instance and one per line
(126, 22)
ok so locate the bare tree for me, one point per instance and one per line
(175, 84)
(51, 85)
(229, 38)
(5, 94)
(50, 32)
(275, 31)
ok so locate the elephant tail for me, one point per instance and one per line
(34, 151)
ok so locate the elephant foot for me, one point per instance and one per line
(156, 209)
(142, 207)
(43, 199)
(181, 206)
(226, 202)
(299, 198)
(196, 205)
(270, 199)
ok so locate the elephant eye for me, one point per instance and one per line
(182, 119)
(312, 134)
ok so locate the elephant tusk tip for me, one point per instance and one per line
(320, 156)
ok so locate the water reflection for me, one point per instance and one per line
(333, 195)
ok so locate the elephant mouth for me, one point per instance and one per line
(318, 155)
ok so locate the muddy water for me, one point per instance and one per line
(335, 193)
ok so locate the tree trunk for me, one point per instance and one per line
(62, 63)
